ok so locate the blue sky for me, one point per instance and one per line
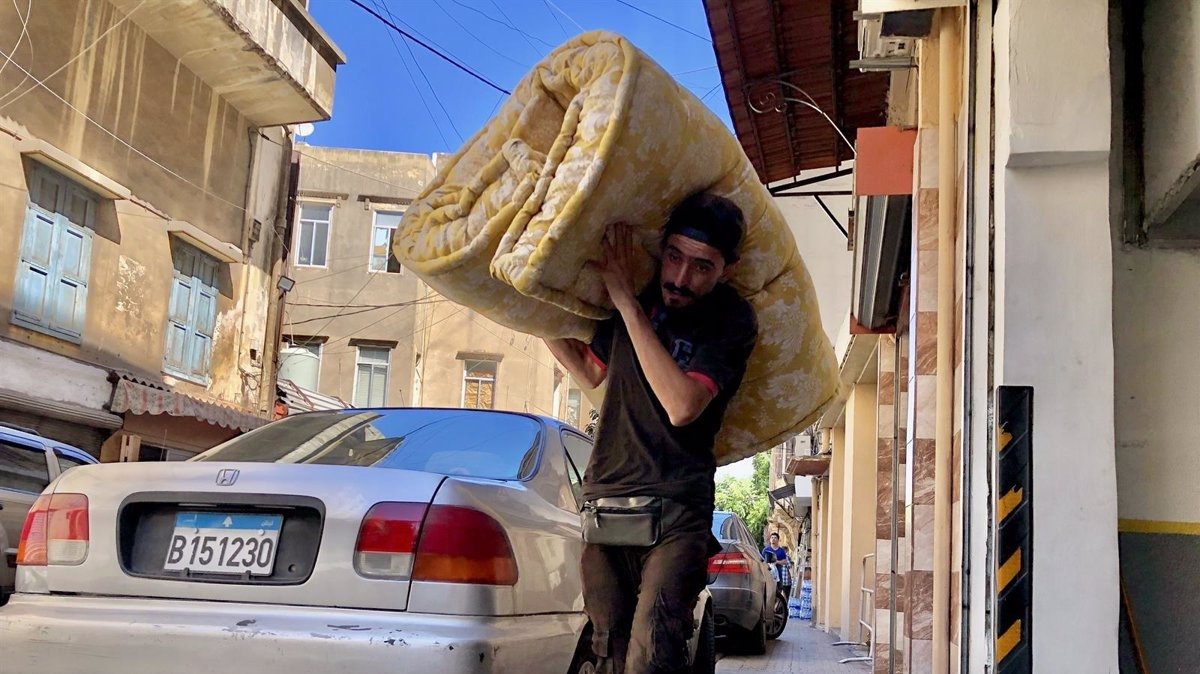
(378, 102)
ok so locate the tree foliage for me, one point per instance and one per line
(748, 497)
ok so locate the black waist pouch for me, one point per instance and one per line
(634, 521)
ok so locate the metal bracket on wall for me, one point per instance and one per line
(832, 217)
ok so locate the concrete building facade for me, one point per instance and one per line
(361, 328)
(350, 322)
(143, 194)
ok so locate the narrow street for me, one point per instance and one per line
(801, 649)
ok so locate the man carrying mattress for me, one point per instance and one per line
(673, 356)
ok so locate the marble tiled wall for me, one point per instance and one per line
(890, 409)
(922, 386)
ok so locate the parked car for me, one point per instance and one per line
(363, 540)
(747, 606)
(28, 462)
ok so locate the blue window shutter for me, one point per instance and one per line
(178, 331)
(192, 314)
(56, 256)
(69, 293)
(204, 321)
(34, 271)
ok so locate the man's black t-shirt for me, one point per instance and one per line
(638, 452)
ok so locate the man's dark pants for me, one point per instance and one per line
(641, 600)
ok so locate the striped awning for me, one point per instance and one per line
(136, 396)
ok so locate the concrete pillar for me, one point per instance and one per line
(1054, 312)
(834, 606)
(820, 554)
(858, 505)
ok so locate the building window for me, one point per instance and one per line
(479, 384)
(312, 235)
(56, 256)
(371, 382)
(574, 406)
(192, 314)
(382, 233)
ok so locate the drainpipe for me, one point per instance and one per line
(251, 201)
(270, 368)
(944, 437)
(968, 422)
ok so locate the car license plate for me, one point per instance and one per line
(224, 543)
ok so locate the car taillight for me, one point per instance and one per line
(55, 531)
(440, 543)
(729, 562)
(387, 540)
(461, 545)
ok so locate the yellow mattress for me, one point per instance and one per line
(595, 133)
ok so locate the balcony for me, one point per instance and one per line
(267, 58)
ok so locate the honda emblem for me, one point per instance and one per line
(227, 477)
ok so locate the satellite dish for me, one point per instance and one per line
(305, 129)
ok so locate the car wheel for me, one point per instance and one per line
(584, 661)
(705, 661)
(780, 617)
(754, 641)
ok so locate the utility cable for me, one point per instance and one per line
(507, 25)
(437, 52)
(555, 17)
(20, 37)
(122, 141)
(425, 77)
(416, 87)
(564, 13)
(478, 39)
(669, 23)
(76, 57)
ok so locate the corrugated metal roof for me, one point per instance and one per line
(300, 399)
(806, 43)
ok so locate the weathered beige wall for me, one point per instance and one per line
(356, 183)
(141, 94)
(525, 374)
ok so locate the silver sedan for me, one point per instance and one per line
(385, 540)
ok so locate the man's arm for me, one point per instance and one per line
(683, 397)
(574, 356)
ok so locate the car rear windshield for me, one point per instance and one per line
(721, 523)
(491, 445)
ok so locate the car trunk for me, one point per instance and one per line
(249, 532)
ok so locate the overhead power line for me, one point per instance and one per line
(23, 34)
(126, 143)
(379, 17)
(413, 79)
(478, 39)
(666, 21)
(507, 25)
(69, 61)
(424, 76)
(564, 13)
(555, 17)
